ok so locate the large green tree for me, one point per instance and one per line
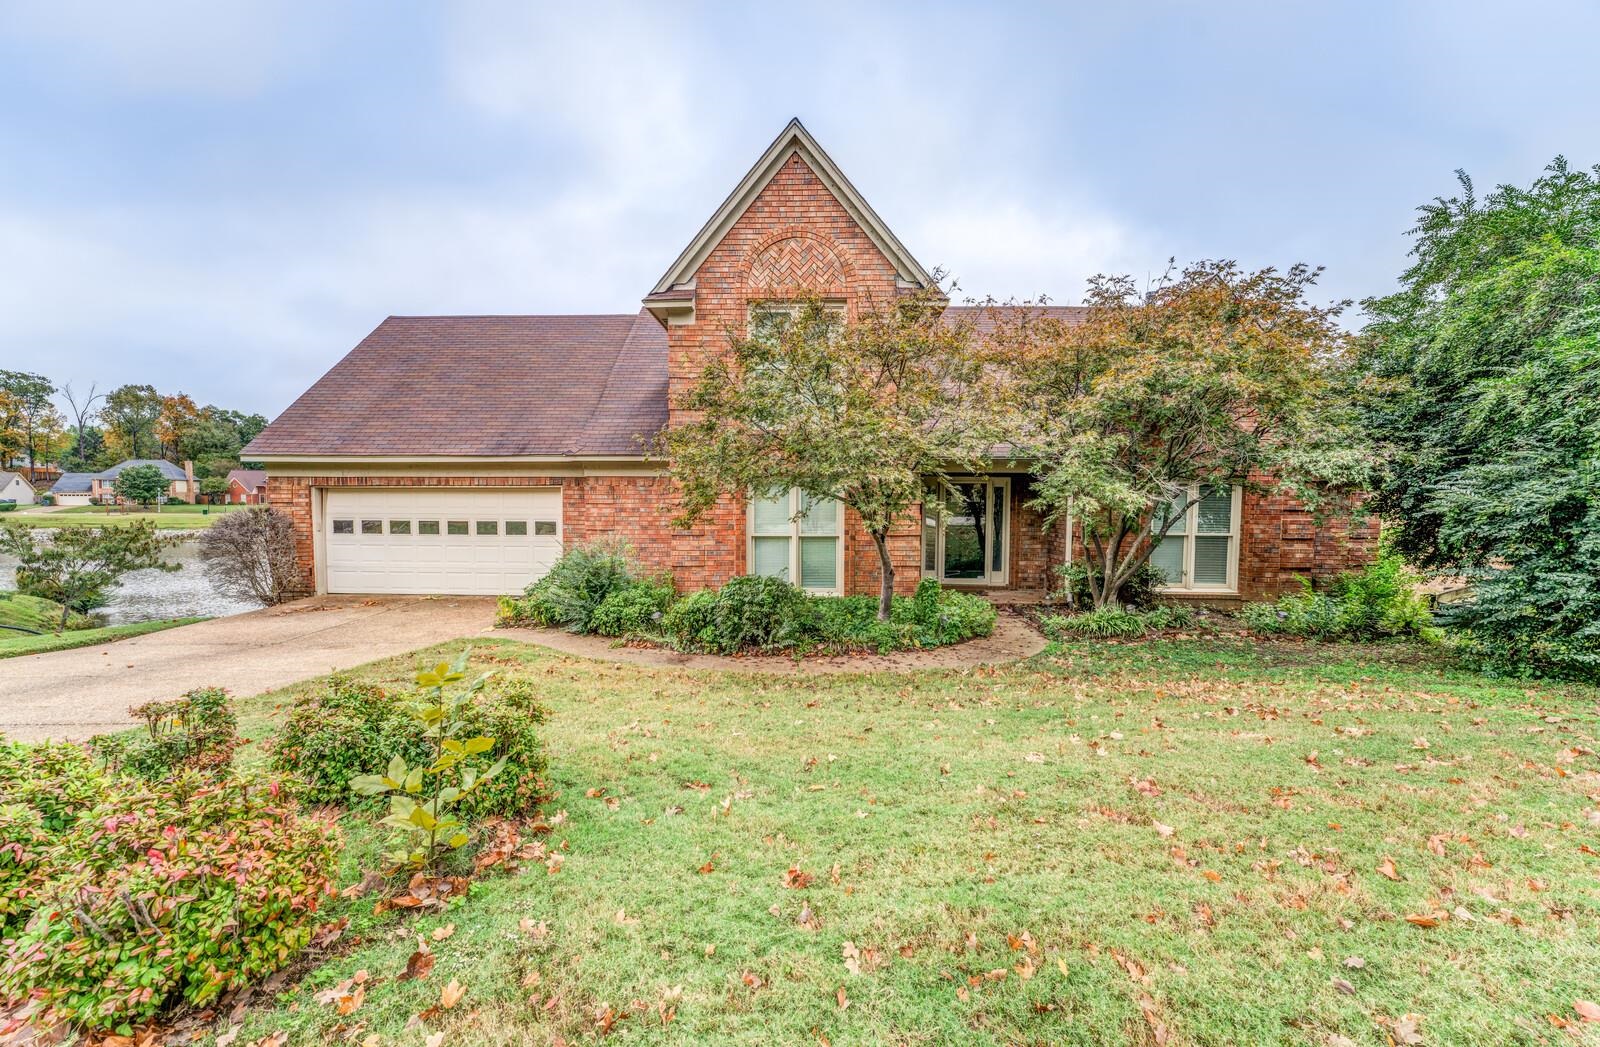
(1214, 377)
(862, 410)
(1480, 382)
(129, 416)
(29, 421)
(140, 484)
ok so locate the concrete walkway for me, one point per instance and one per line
(1013, 639)
(86, 691)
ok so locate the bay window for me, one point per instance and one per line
(797, 537)
(1200, 552)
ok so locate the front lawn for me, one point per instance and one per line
(167, 518)
(1171, 841)
(13, 645)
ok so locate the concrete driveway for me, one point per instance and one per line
(86, 691)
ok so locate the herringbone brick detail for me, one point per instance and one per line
(796, 263)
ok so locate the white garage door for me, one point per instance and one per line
(459, 542)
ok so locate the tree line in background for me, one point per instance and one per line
(1464, 413)
(97, 430)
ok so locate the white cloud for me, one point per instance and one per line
(994, 245)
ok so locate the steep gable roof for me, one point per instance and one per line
(793, 139)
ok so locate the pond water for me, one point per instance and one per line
(146, 595)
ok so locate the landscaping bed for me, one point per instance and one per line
(600, 590)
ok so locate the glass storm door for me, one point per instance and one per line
(966, 542)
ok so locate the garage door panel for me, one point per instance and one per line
(366, 552)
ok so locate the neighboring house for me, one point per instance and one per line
(14, 487)
(459, 454)
(247, 486)
(100, 488)
(72, 488)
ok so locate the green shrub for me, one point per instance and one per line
(8, 507)
(688, 620)
(753, 614)
(757, 613)
(636, 610)
(428, 800)
(182, 890)
(46, 788)
(1140, 591)
(576, 585)
(1109, 622)
(351, 727)
(1378, 601)
(58, 780)
(198, 731)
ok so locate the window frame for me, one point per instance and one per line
(1191, 525)
(996, 487)
(794, 536)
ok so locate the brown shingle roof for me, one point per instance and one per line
(485, 385)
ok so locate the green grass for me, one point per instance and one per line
(13, 645)
(168, 518)
(1187, 832)
(28, 612)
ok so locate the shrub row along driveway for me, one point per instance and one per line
(86, 691)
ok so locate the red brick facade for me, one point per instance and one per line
(795, 235)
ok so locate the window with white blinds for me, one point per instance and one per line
(1200, 552)
(797, 537)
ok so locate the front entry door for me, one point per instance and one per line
(966, 543)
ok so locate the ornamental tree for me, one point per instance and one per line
(863, 410)
(74, 566)
(1216, 376)
(1479, 380)
(141, 484)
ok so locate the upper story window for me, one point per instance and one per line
(799, 538)
(768, 320)
(1200, 553)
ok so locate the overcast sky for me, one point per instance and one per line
(222, 197)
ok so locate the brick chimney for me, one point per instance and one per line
(190, 494)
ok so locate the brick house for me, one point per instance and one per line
(460, 454)
(246, 487)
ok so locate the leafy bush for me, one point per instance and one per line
(756, 613)
(575, 587)
(1140, 591)
(351, 727)
(1379, 600)
(686, 619)
(58, 780)
(197, 731)
(250, 554)
(187, 889)
(424, 799)
(47, 788)
(1110, 622)
(8, 507)
(769, 614)
(635, 610)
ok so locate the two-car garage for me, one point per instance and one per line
(460, 541)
